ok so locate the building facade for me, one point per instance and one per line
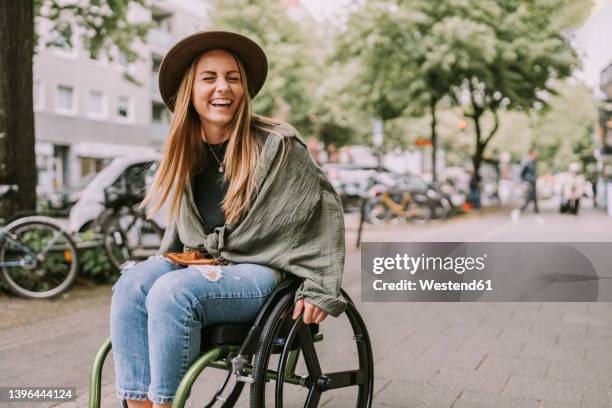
(89, 111)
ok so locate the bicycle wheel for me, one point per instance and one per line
(39, 260)
(129, 236)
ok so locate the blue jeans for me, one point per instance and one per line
(158, 310)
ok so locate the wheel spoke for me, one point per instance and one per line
(309, 351)
(49, 244)
(313, 397)
(341, 379)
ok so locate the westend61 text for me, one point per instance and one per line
(414, 264)
(430, 284)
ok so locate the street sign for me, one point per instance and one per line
(422, 142)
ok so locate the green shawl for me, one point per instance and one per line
(295, 223)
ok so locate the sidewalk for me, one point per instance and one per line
(442, 355)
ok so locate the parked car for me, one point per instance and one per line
(63, 199)
(351, 181)
(134, 170)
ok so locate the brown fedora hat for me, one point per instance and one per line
(182, 54)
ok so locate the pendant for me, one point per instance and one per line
(220, 169)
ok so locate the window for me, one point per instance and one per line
(38, 95)
(124, 108)
(133, 179)
(96, 104)
(92, 165)
(65, 99)
(159, 113)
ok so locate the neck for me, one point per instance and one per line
(214, 134)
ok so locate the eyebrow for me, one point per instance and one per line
(215, 73)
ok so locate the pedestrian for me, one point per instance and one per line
(529, 175)
(475, 181)
(246, 207)
(333, 156)
(573, 190)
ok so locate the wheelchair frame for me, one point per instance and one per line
(272, 332)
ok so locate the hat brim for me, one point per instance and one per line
(182, 54)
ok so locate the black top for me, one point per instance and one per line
(209, 189)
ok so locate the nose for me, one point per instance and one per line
(222, 85)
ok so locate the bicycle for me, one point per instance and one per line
(128, 235)
(38, 259)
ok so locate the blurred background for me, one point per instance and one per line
(449, 120)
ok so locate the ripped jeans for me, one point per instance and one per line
(158, 310)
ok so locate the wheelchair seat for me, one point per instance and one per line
(224, 334)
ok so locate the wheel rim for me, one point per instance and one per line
(54, 261)
(319, 382)
(130, 237)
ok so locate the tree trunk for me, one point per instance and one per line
(17, 158)
(477, 157)
(434, 141)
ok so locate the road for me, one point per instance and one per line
(447, 355)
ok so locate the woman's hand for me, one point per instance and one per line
(312, 314)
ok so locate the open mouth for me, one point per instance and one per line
(221, 103)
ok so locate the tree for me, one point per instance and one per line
(17, 160)
(291, 54)
(564, 131)
(506, 54)
(376, 44)
(102, 25)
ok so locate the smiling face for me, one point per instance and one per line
(217, 92)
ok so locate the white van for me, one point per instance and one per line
(136, 170)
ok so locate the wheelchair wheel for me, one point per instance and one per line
(290, 338)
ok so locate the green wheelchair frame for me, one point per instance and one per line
(244, 351)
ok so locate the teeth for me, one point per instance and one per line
(221, 102)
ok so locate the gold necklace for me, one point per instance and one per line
(221, 168)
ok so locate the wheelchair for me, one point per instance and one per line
(267, 350)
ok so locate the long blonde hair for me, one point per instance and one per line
(183, 153)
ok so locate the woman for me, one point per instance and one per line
(247, 205)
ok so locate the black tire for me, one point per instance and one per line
(363, 377)
(266, 342)
(129, 236)
(54, 265)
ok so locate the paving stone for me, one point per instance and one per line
(503, 365)
(599, 358)
(580, 372)
(478, 399)
(543, 389)
(468, 380)
(597, 395)
(466, 360)
(549, 404)
(590, 341)
(416, 395)
(554, 353)
(498, 347)
(600, 330)
(586, 318)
